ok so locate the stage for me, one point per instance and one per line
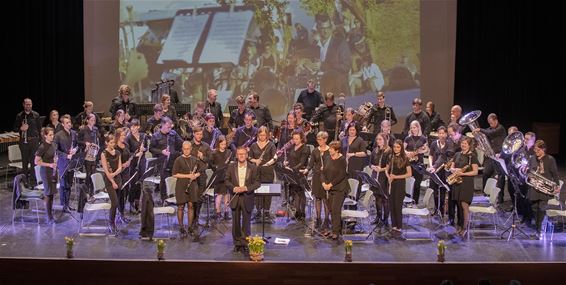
(306, 259)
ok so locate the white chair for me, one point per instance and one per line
(14, 160)
(361, 214)
(490, 210)
(409, 186)
(170, 184)
(349, 201)
(369, 171)
(21, 194)
(488, 188)
(424, 210)
(92, 206)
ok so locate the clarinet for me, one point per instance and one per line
(25, 133)
(191, 180)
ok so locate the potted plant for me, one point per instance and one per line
(441, 247)
(256, 245)
(70, 242)
(348, 250)
(160, 249)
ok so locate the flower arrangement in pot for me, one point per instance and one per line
(256, 245)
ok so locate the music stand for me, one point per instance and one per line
(374, 184)
(74, 164)
(208, 187)
(513, 229)
(267, 190)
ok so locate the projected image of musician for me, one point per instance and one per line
(122, 102)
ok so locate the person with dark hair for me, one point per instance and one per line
(210, 132)
(28, 125)
(237, 115)
(219, 161)
(297, 160)
(122, 102)
(465, 166)
(335, 182)
(246, 134)
(89, 142)
(45, 158)
(380, 112)
(345, 123)
(354, 150)
(65, 148)
(201, 150)
(495, 134)
(165, 143)
(544, 165)
(126, 157)
(441, 151)
(119, 121)
(53, 121)
(168, 108)
(138, 144)
(417, 115)
(398, 170)
(379, 160)
(153, 123)
(316, 164)
(82, 117)
(434, 117)
(262, 113)
(327, 116)
(242, 178)
(112, 164)
(310, 98)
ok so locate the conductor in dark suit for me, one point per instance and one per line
(242, 177)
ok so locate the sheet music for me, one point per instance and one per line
(226, 37)
(183, 38)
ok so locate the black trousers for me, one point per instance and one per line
(65, 183)
(439, 191)
(417, 186)
(241, 225)
(147, 218)
(90, 169)
(491, 168)
(539, 211)
(162, 187)
(28, 157)
(336, 201)
(297, 193)
(396, 203)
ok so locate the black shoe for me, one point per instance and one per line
(66, 210)
(182, 232)
(237, 248)
(245, 249)
(317, 223)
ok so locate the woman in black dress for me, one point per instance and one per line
(354, 149)
(335, 182)
(262, 154)
(45, 159)
(466, 166)
(186, 170)
(126, 158)
(297, 160)
(138, 143)
(397, 171)
(316, 163)
(220, 160)
(379, 160)
(112, 165)
(416, 145)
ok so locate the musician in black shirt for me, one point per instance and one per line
(122, 102)
(210, 132)
(82, 117)
(154, 122)
(435, 119)
(495, 134)
(28, 125)
(45, 158)
(262, 154)
(316, 163)
(379, 160)
(297, 160)
(417, 115)
(219, 161)
(441, 151)
(165, 144)
(416, 145)
(237, 115)
(380, 112)
(262, 113)
(214, 107)
(327, 116)
(65, 148)
(398, 170)
(245, 135)
(88, 141)
(138, 144)
(310, 98)
(335, 182)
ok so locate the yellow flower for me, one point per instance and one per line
(69, 241)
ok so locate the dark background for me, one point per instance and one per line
(509, 60)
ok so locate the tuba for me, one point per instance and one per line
(541, 183)
(514, 145)
(470, 119)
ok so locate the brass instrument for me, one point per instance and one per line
(514, 145)
(92, 150)
(470, 119)
(455, 178)
(363, 113)
(541, 183)
(183, 125)
(388, 113)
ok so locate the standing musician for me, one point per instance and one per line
(262, 154)
(122, 102)
(316, 163)
(53, 121)
(466, 166)
(45, 158)
(153, 123)
(262, 113)
(544, 165)
(434, 117)
(112, 164)
(28, 125)
(65, 147)
(415, 146)
(328, 115)
(348, 119)
(210, 132)
(119, 121)
(354, 150)
(237, 115)
(137, 143)
(165, 143)
(398, 170)
(201, 150)
(335, 181)
(380, 157)
(186, 169)
(82, 117)
(417, 115)
(455, 115)
(168, 109)
(380, 112)
(310, 99)
(441, 151)
(523, 204)
(455, 137)
(214, 107)
(220, 158)
(495, 134)
(88, 141)
(126, 157)
(242, 178)
(246, 134)
(298, 158)
(287, 129)
(299, 114)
